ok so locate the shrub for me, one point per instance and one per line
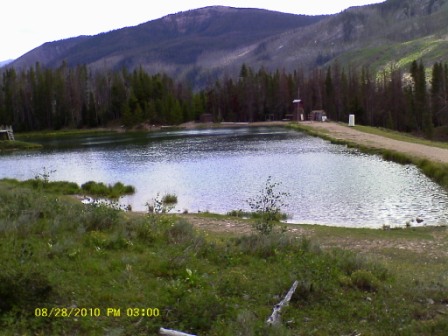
(99, 217)
(180, 232)
(267, 207)
(159, 206)
(169, 199)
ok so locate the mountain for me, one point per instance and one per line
(215, 40)
(172, 43)
(394, 32)
(4, 63)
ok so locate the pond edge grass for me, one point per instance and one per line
(13, 145)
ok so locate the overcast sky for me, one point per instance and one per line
(26, 24)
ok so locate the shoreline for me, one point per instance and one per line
(431, 160)
(327, 130)
(340, 132)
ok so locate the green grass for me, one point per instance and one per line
(397, 54)
(109, 191)
(58, 254)
(7, 145)
(400, 136)
(61, 133)
(91, 188)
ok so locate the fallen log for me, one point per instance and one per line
(275, 317)
(169, 332)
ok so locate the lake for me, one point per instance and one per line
(218, 170)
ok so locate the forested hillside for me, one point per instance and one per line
(186, 44)
(45, 98)
(207, 43)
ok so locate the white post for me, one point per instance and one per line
(351, 120)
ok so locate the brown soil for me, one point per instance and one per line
(342, 132)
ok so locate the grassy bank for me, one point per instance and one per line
(436, 171)
(91, 188)
(7, 145)
(62, 133)
(400, 136)
(59, 257)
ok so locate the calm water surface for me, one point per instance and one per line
(218, 170)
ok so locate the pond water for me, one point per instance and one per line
(218, 170)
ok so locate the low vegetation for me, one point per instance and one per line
(7, 145)
(108, 191)
(109, 268)
(267, 207)
(91, 188)
(387, 133)
(169, 199)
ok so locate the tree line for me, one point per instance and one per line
(44, 98)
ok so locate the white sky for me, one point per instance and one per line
(26, 24)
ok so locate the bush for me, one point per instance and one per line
(99, 217)
(180, 232)
(267, 207)
(169, 199)
(160, 205)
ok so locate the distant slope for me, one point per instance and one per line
(375, 35)
(172, 42)
(215, 40)
(49, 53)
(3, 63)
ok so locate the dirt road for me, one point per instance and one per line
(342, 132)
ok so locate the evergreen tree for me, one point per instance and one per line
(438, 94)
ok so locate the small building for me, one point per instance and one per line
(299, 112)
(317, 115)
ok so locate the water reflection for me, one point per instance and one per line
(217, 170)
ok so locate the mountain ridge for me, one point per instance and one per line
(218, 40)
(161, 40)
